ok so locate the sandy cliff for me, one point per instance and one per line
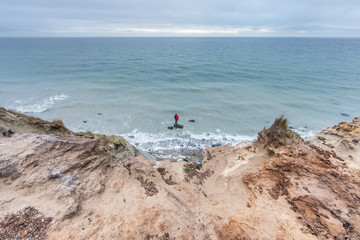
(278, 187)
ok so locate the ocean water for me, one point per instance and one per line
(231, 87)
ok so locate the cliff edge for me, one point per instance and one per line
(278, 187)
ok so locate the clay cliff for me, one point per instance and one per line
(68, 186)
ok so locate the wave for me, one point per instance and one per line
(179, 145)
(27, 105)
(305, 133)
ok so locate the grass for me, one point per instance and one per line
(281, 123)
(117, 140)
(59, 122)
(277, 135)
(192, 167)
(87, 134)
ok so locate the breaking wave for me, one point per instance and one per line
(181, 144)
(31, 106)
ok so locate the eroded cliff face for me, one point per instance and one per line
(21, 123)
(287, 189)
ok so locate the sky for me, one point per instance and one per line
(179, 18)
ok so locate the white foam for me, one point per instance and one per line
(182, 139)
(26, 105)
(305, 134)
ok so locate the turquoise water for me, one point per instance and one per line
(231, 87)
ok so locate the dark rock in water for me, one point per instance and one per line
(191, 120)
(216, 145)
(131, 137)
(290, 127)
(355, 141)
(178, 126)
(345, 114)
(99, 114)
(170, 127)
(84, 121)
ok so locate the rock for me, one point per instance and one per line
(345, 114)
(356, 120)
(55, 175)
(192, 121)
(355, 141)
(6, 132)
(10, 132)
(120, 149)
(84, 121)
(99, 114)
(178, 126)
(216, 145)
(8, 168)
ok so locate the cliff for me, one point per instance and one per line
(278, 187)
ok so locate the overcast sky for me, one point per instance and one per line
(235, 18)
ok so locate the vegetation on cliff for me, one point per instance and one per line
(21, 123)
(278, 135)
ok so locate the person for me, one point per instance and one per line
(176, 119)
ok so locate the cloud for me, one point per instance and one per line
(179, 17)
(194, 30)
(340, 27)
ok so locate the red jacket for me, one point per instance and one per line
(176, 118)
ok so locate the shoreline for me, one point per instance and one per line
(182, 146)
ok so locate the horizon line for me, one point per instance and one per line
(175, 37)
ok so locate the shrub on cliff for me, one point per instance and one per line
(277, 135)
(59, 122)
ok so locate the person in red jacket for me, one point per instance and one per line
(176, 119)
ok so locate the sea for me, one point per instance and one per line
(225, 90)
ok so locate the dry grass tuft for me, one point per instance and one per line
(277, 135)
(59, 122)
